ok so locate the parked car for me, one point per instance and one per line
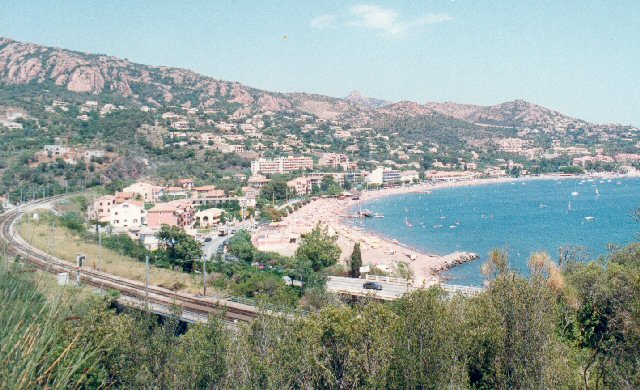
(208, 239)
(372, 286)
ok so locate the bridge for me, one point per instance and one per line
(392, 288)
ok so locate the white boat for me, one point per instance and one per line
(437, 226)
(589, 218)
(597, 192)
(574, 193)
(542, 206)
(442, 217)
(452, 226)
(569, 206)
(407, 222)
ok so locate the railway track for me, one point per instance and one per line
(133, 293)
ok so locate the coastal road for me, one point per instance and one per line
(390, 291)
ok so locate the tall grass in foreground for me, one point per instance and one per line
(37, 349)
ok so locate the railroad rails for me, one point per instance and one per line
(190, 307)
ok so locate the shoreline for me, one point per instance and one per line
(379, 250)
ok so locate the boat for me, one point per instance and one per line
(597, 192)
(574, 193)
(442, 217)
(378, 215)
(542, 206)
(407, 222)
(437, 226)
(452, 226)
(569, 206)
(589, 218)
(364, 214)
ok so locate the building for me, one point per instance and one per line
(315, 178)
(300, 186)
(180, 125)
(186, 183)
(122, 197)
(409, 176)
(334, 160)
(147, 192)
(101, 209)
(281, 165)
(173, 213)
(383, 175)
(129, 214)
(628, 157)
(56, 150)
(209, 217)
(257, 181)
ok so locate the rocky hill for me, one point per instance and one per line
(28, 64)
(514, 113)
(358, 98)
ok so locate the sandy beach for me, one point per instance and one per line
(377, 250)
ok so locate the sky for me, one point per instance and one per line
(579, 57)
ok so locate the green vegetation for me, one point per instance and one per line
(572, 327)
(177, 248)
(355, 261)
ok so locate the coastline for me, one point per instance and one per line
(379, 250)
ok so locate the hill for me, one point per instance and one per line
(98, 74)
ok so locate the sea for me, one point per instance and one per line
(523, 216)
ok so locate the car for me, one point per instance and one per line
(233, 231)
(208, 239)
(372, 286)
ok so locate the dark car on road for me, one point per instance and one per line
(372, 286)
(208, 239)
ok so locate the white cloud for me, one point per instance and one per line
(323, 21)
(388, 21)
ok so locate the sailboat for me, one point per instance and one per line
(569, 206)
(407, 222)
(597, 192)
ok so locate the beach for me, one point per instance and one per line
(377, 250)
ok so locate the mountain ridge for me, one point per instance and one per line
(22, 63)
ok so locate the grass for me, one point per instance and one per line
(65, 244)
(36, 349)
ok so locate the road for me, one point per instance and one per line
(353, 286)
(209, 248)
(390, 291)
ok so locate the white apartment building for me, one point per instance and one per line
(281, 165)
(127, 215)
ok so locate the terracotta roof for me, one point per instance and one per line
(205, 188)
(214, 194)
(162, 207)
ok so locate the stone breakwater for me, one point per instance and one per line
(454, 259)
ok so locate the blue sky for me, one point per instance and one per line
(579, 57)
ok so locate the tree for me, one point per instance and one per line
(276, 189)
(177, 247)
(319, 249)
(240, 245)
(356, 261)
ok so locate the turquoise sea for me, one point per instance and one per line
(525, 215)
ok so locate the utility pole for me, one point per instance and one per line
(204, 275)
(146, 284)
(99, 248)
